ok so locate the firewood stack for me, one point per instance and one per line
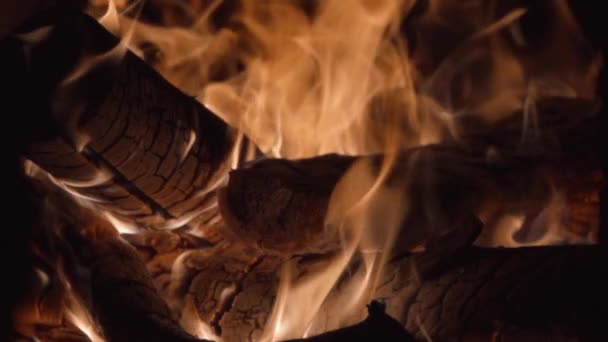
(141, 230)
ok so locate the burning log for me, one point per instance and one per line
(146, 154)
(590, 20)
(107, 290)
(280, 206)
(377, 324)
(125, 301)
(119, 135)
(513, 293)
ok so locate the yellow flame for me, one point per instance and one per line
(368, 215)
(76, 311)
(321, 74)
(110, 19)
(192, 323)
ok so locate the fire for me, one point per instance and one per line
(58, 296)
(81, 318)
(360, 200)
(194, 325)
(354, 77)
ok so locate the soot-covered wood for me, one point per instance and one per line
(104, 273)
(451, 291)
(120, 135)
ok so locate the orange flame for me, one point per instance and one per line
(343, 80)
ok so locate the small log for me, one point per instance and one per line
(114, 131)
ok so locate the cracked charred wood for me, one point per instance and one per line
(230, 291)
(451, 291)
(432, 293)
(590, 22)
(280, 206)
(98, 273)
(533, 292)
(125, 300)
(229, 287)
(115, 132)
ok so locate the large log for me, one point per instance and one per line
(114, 131)
(377, 324)
(280, 206)
(452, 291)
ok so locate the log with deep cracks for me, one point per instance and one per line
(280, 206)
(114, 131)
(451, 291)
(410, 298)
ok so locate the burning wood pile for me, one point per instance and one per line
(307, 170)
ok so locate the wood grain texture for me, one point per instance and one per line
(451, 292)
(280, 206)
(124, 138)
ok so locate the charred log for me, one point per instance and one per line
(377, 324)
(280, 206)
(116, 133)
(591, 21)
(513, 293)
(452, 291)
(88, 271)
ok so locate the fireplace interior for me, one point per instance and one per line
(322, 170)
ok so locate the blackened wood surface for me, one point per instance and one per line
(517, 293)
(451, 291)
(125, 139)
